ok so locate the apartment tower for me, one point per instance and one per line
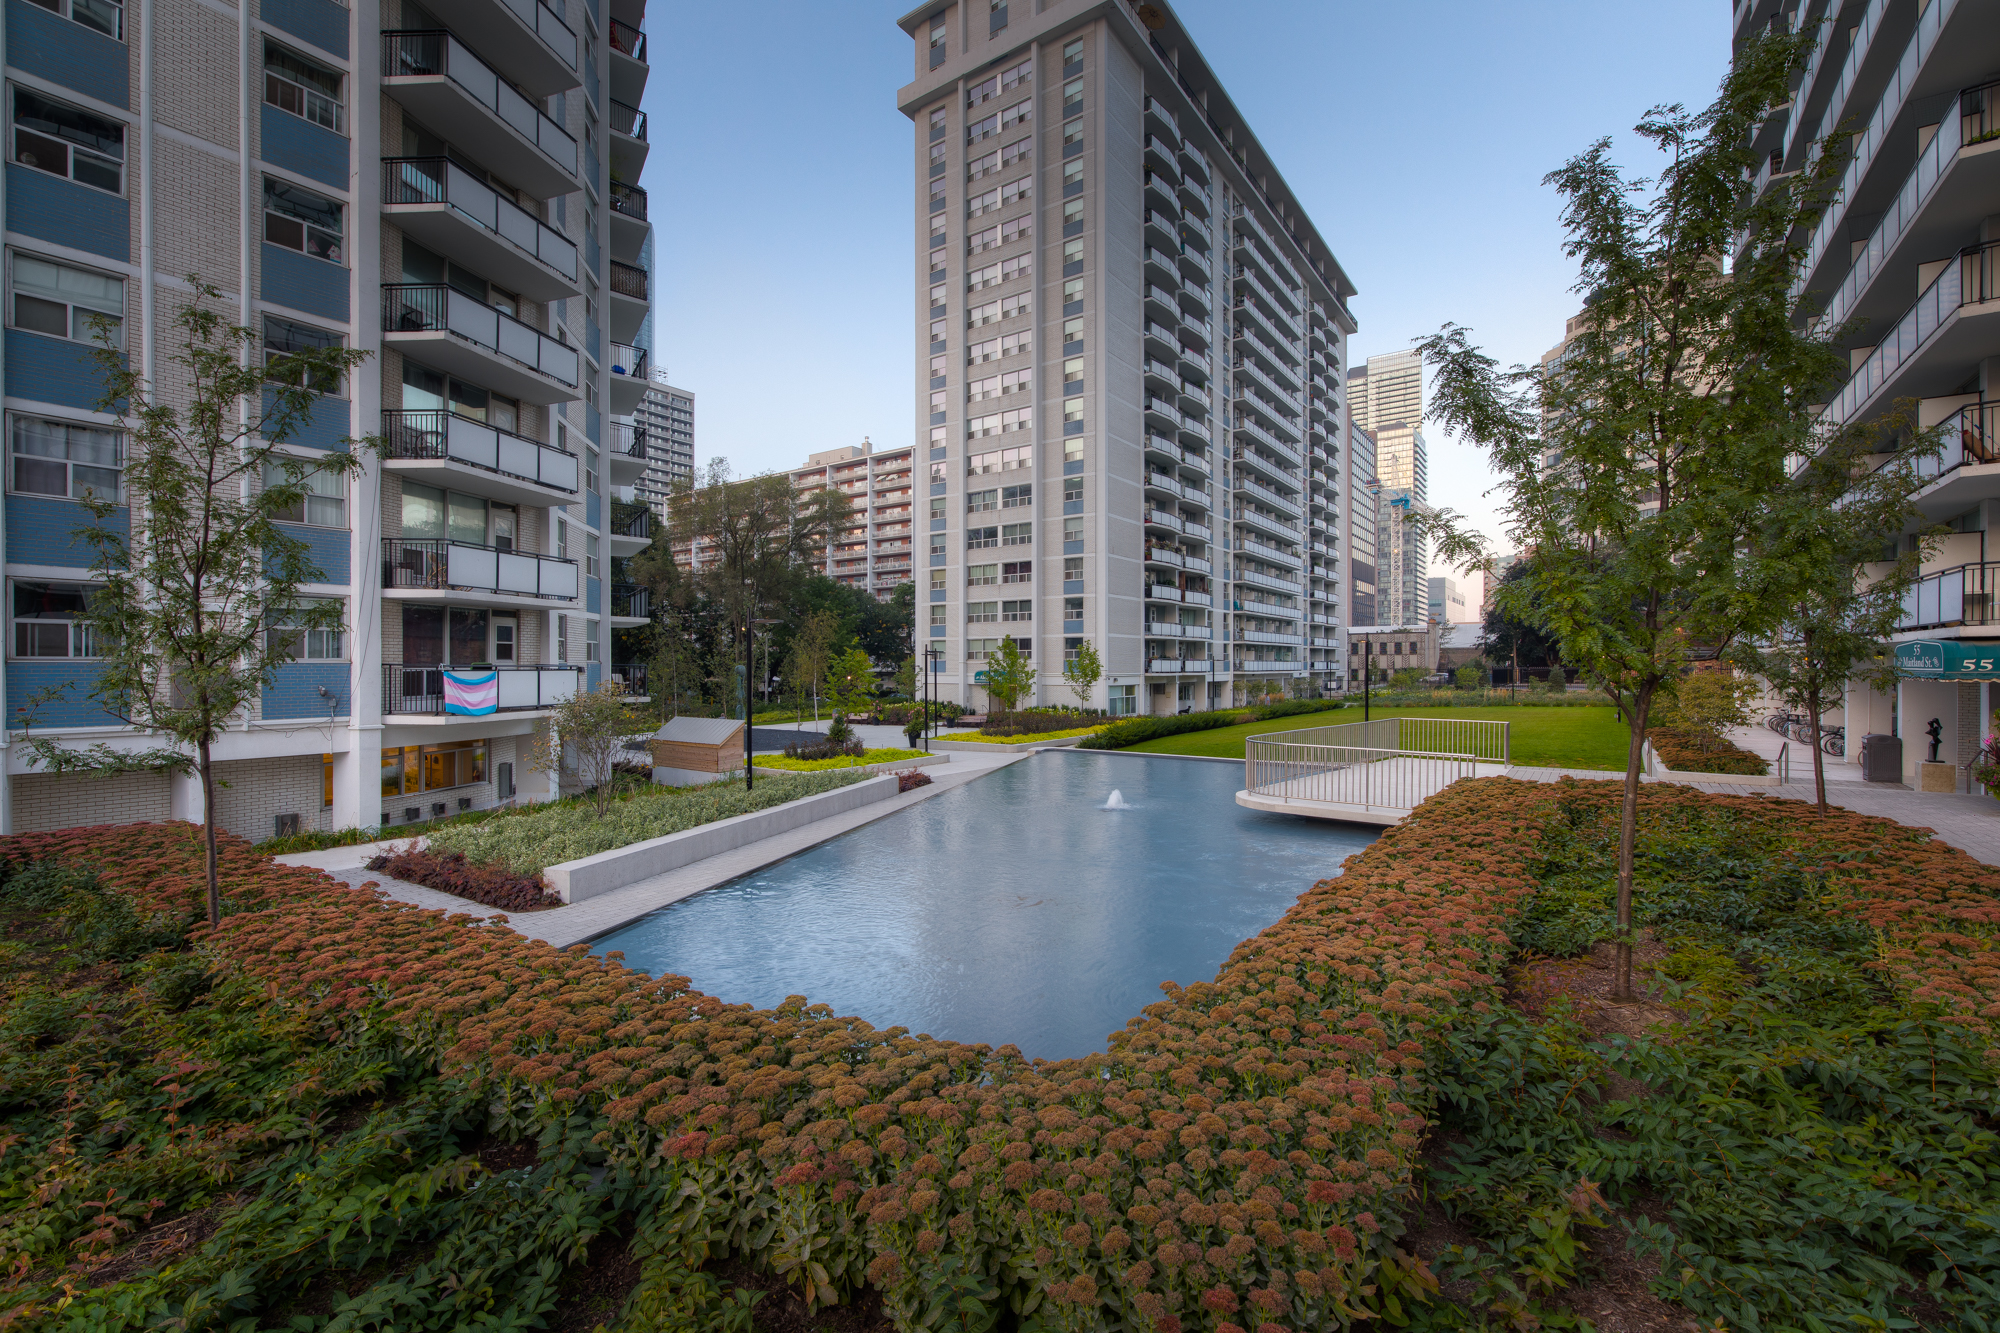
(1908, 256)
(1388, 399)
(874, 552)
(1130, 343)
(451, 187)
(665, 418)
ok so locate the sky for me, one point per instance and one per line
(1415, 133)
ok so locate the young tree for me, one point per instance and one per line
(1082, 672)
(199, 606)
(586, 728)
(1673, 415)
(852, 678)
(906, 677)
(811, 654)
(1009, 675)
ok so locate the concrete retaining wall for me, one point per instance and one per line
(587, 877)
(1657, 767)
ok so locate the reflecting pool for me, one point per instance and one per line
(1016, 908)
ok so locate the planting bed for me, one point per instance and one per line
(337, 1109)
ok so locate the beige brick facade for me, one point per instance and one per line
(43, 801)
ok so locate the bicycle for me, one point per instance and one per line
(1833, 741)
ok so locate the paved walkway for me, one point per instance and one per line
(579, 922)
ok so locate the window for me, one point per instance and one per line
(978, 650)
(1072, 253)
(106, 16)
(1011, 343)
(996, 423)
(937, 158)
(1072, 371)
(981, 166)
(1017, 571)
(1017, 381)
(47, 620)
(983, 277)
(978, 502)
(590, 556)
(937, 366)
(937, 121)
(1020, 266)
(983, 129)
(937, 259)
(308, 645)
(980, 575)
(937, 294)
(938, 189)
(938, 611)
(1072, 214)
(1073, 173)
(937, 332)
(1072, 412)
(1072, 451)
(1072, 131)
(937, 507)
(1073, 490)
(303, 87)
(1019, 113)
(284, 338)
(1072, 529)
(982, 240)
(1016, 189)
(590, 637)
(1072, 649)
(1072, 291)
(937, 580)
(983, 351)
(1017, 534)
(62, 458)
(1073, 606)
(937, 230)
(1020, 303)
(589, 469)
(1000, 460)
(324, 504)
(937, 400)
(1072, 332)
(983, 314)
(1017, 229)
(978, 539)
(562, 539)
(1124, 701)
(1073, 573)
(1073, 52)
(1015, 74)
(1022, 610)
(1016, 151)
(986, 388)
(937, 39)
(1016, 497)
(983, 91)
(67, 302)
(300, 220)
(410, 769)
(982, 612)
(64, 141)
(976, 205)
(1072, 97)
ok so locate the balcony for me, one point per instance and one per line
(450, 331)
(487, 575)
(521, 689)
(632, 675)
(1963, 595)
(630, 300)
(628, 141)
(628, 452)
(629, 368)
(455, 213)
(445, 449)
(458, 95)
(631, 604)
(1954, 324)
(628, 63)
(629, 224)
(525, 39)
(1270, 581)
(630, 529)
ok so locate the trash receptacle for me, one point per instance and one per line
(1881, 758)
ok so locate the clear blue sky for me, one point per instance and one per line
(1415, 134)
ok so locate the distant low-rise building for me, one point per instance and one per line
(1387, 649)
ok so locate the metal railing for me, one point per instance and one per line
(629, 200)
(427, 562)
(629, 361)
(632, 675)
(420, 689)
(410, 53)
(1962, 595)
(436, 308)
(548, 25)
(438, 180)
(446, 435)
(1391, 763)
(631, 599)
(626, 280)
(1968, 280)
(628, 120)
(628, 40)
(636, 521)
(631, 440)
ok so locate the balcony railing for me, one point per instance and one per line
(629, 361)
(1960, 596)
(413, 53)
(1968, 281)
(628, 200)
(626, 280)
(420, 689)
(421, 562)
(635, 521)
(631, 440)
(628, 120)
(436, 308)
(628, 40)
(548, 25)
(631, 599)
(438, 180)
(632, 674)
(446, 435)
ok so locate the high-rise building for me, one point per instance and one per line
(451, 188)
(874, 553)
(1363, 498)
(1907, 258)
(1448, 603)
(1131, 339)
(665, 425)
(1388, 390)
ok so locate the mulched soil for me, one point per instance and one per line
(594, 1291)
(783, 1309)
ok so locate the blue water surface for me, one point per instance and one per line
(1012, 909)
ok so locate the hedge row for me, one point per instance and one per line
(1692, 752)
(1133, 730)
(1235, 1159)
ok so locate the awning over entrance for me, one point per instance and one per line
(1948, 659)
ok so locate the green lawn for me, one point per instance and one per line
(1541, 737)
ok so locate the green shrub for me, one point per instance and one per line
(543, 836)
(1133, 730)
(1289, 707)
(1698, 752)
(1469, 676)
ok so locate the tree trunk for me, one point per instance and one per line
(749, 649)
(1628, 836)
(208, 834)
(1819, 769)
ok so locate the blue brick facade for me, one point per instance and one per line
(592, 596)
(294, 691)
(67, 54)
(593, 511)
(303, 283)
(62, 212)
(324, 427)
(41, 530)
(331, 548)
(72, 708)
(320, 22)
(52, 370)
(299, 145)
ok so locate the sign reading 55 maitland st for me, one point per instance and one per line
(1948, 659)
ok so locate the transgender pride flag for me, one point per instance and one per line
(472, 692)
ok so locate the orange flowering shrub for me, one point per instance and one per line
(1233, 1162)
